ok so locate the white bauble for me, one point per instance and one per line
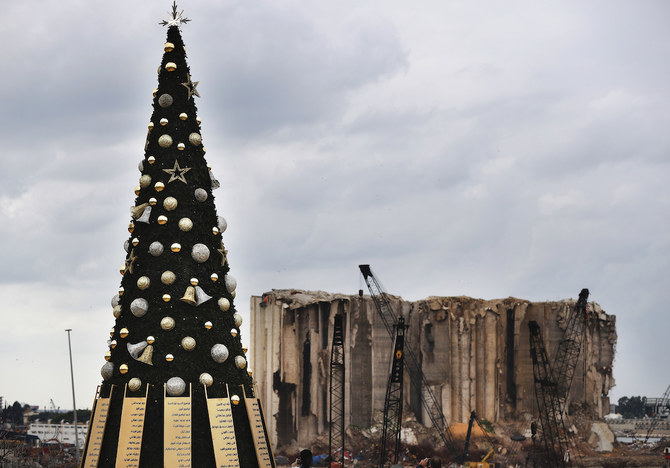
(219, 353)
(176, 386)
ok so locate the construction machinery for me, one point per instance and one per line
(483, 463)
(336, 435)
(430, 403)
(662, 406)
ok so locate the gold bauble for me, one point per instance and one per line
(204, 150)
(188, 343)
(159, 186)
(137, 189)
(122, 269)
(143, 282)
(166, 298)
(170, 66)
(111, 332)
(208, 325)
(183, 116)
(169, 357)
(249, 372)
(197, 119)
(134, 384)
(155, 92)
(150, 339)
(108, 355)
(145, 180)
(168, 277)
(235, 400)
(150, 125)
(170, 203)
(121, 291)
(214, 277)
(167, 323)
(233, 294)
(123, 333)
(123, 368)
(135, 241)
(233, 332)
(168, 47)
(164, 121)
(176, 247)
(193, 281)
(215, 231)
(112, 344)
(245, 349)
(151, 159)
(162, 219)
(181, 146)
(131, 227)
(152, 201)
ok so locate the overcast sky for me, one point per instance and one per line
(488, 149)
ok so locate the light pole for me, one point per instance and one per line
(74, 403)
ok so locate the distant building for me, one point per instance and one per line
(63, 433)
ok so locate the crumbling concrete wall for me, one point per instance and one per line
(474, 353)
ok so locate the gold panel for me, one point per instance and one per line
(177, 432)
(130, 433)
(96, 430)
(255, 414)
(223, 432)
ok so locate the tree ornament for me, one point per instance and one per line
(214, 277)
(112, 344)
(159, 186)
(108, 355)
(123, 333)
(121, 291)
(233, 332)
(155, 92)
(206, 379)
(150, 125)
(168, 277)
(215, 183)
(170, 66)
(168, 47)
(163, 122)
(151, 339)
(136, 349)
(204, 150)
(198, 120)
(162, 219)
(219, 353)
(126, 246)
(200, 194)
(156, 248)
(166, 298)
(169, 357)
(235, 400)
(139, 307)
(201, 296)
(200, 253)
(249, 373)
(170, 203)
(134, 384)
(151, 159)
(137, 189)
(146, 215)
(223, 224)
(175, 386)
(131, 227)
(167, 323)
(145, 181)
(135, 241)
(176, 18)
(107, 370)
(181, 146)
(240, 362)
(188, 343)
(140, 166)
(238, 319)
(190, 87)
(115, 300)
(208, 325)
(116, 311)
(146, 356)
(193, 281)
(224, 304)
(143, 282)
(123, 368)
(244, 349)
(165, 100)
(189, 296)
(165, 141)
(177, 173)
(215, 231)
(176, 247)
(195, 139)
(183, 116)
(130, 261)
(231, 282)
(152, 201)
(185, 224)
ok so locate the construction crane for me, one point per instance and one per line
(393, 401)
(429, 401)
(554, 434)
(336, 435)
(662, 405)
(483, 463)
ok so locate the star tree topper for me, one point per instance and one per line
(176, 18)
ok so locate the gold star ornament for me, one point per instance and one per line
(177, 173)
(190, 87)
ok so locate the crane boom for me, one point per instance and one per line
(428, 400)
(336, 433)
(393, 401)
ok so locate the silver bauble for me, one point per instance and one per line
(188, 343)
(224, 304)
(165, 141)
(168, 277)
(223, 224)
(167, 323)
(140, 165)
(107, 370)
(231, 282)
(156, 248)
(238, 319)
(134, 384)
(195, 139)
(115, 300)
(185, 224)
(145, 180)
(139, 307)
(175, 386)
(206, 379)
(240, 362)
(165, 100)
(200, 194)
(200, 253)
(170, 203)
(219, 353)
(143, 282)
(116, 311)
(126, 246)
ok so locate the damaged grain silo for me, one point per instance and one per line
(474, 353)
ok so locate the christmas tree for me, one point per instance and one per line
(176, 390)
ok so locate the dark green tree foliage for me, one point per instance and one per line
(632, 407)
(174, 115)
